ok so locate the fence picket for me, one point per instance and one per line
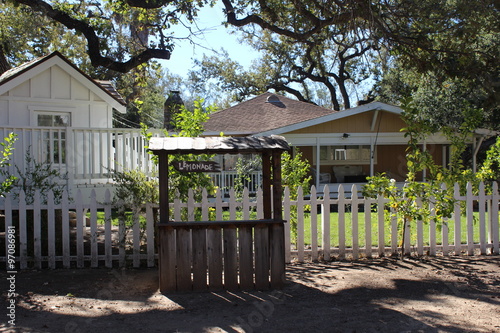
(80, 224)
(150, 235)
(381, 222)
(177, 208)
(51, 230)
(260, 206)
(394, 232)
(190, 205)
(470, 220)
(37, 230)
(494, 219)
(325, 223)
(482, 218)
(8, 226)
(80, 243)
(286, 217)
(355, 227)
(445, 231)
(432, 232)
(136, 237)
(314, 224)
(300, 225)
(107, 230)
(65, 229)
(341, 225)
(93, 229)
(23, 232)
(420, 237)
(457, 220)
(368, 227)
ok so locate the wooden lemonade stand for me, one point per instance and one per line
(231, 255)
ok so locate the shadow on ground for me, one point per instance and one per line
(360, 296)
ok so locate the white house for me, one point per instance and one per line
(64, 117)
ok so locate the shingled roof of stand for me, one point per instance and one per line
(262, 113)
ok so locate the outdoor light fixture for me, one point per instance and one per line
(345, 136)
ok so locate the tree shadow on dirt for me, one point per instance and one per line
(304, 305)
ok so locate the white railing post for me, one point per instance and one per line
(495, 198)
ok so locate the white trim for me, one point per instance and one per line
(56, 60)
(46, 109)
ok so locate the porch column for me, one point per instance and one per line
(372, 157)
(318, 159)
(424, 171)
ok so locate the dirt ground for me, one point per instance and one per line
(439, 294)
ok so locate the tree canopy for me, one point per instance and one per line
(333, 51)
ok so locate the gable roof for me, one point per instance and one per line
(19, 74)
(373, 106)
(262, 113)
(271, 114)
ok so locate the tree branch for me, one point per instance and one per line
(93, 42)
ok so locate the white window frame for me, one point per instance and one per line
(48, 155)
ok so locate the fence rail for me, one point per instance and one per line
(87, 233)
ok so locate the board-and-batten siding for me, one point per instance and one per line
(360, 123)
(56, 88)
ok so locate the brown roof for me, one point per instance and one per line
(263, 113)
(110, 88)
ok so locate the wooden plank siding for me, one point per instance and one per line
(360, 123)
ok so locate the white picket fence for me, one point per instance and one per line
(88, 234)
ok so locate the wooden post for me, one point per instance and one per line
(266, 184)
(199, 258)
(277, 190)
(163, 184)
(167, 259)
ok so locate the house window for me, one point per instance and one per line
(336, 155)
(53, 141)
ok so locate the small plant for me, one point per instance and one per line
(135, 188)
(42, 177)
(8, 179)
(244, 168)
(432, 199)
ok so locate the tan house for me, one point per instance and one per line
(342, 146)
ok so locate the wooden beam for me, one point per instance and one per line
(374, 120)
(266, 184)
(163, 184)
(277, 190)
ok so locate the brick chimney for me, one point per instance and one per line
(171, 107)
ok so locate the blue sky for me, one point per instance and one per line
(215, 37)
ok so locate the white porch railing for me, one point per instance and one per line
(86, 155)
(47, 236)
(227, 179)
